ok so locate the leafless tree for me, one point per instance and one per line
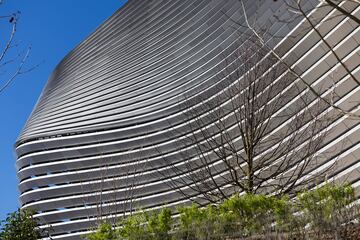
(12, 57)
(299, 10)
(112, 192)
(257, 132)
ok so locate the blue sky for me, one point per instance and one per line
(53, 28)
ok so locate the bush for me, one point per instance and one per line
(134, 227)
(104, 232)
(325, 209)
(255, 214)
(200, 223)
(159, 224)
(146, 226)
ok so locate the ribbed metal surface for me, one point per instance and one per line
(108, 109)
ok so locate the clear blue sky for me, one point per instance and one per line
(53, 28)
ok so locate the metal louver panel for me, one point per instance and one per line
(110, 106)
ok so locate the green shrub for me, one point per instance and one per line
(200, 223)
(159, 224)
(104, 232)
(134, 227)
(146, 226)
(254, 214)
(190, 221)
(324, 207)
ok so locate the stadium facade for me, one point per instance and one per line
(104, 121)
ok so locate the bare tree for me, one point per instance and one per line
(258, 133)
(12, 57)
(299, 10)
(110, 195)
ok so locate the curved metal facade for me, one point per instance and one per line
(109, 106)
